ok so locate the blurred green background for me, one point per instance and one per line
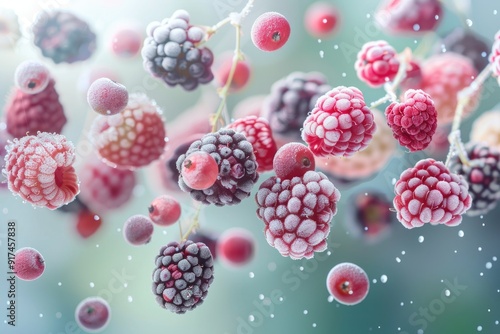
(418, 273)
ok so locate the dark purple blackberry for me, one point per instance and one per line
(182, 275)
(206, 237)
(483, 176)
(468, 44)
(237, 167)
(170, 52)
(289, 102)
(63, 37)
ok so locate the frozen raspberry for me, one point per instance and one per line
(483, 176)
(31, 77)
(30, 113)
(365, 163)
(4, 139)
(297, 213)
(259, 134)
(93, 314)
(293, 159)
(103, 187)
(137, 230)
(28, 264)
(340, 124)
(107, 97)
(87, 223)
(170, 52)
(430, 193)
(377, 63)
(289, 102)
(486, 128)
(164, 210)
(63, 37)
(270, 31)
(468, 44)
(39, 169)
(132, 138)
(321, 19)
(9, 28)
(348, 283)
(409, 16)
(495, 55)
(413, 120)
(199, 170)
(126, 40)
(183, 273)
(237, 167)
(443, 76)
(241, 76)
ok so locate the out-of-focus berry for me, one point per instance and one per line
(241, 75)
(9, 28)
(93, 314)
(321, 19)
(236, 247)
(31, 77)
(87, 223)
(377, 63)
(126, 41)
(107, 97)
(270, 31)
(486, 129)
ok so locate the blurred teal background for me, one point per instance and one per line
(418, 273)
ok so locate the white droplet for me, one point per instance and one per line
(319, 40)
(421, 239)
(330, 299)
(314, 324)
(125, 285)
(272, 315)
(261, 296)
(461, 233)
(368, 15)
(59, 283)
(305, 312)
(251, 318)
(479, 328)
(403, 252)
(402, 304)
(130, 299)
(436, 17)
(416, 27)
(41, 315)
(97, 245)
(129, 257)
(383, 278)
(251, 274)
(394, 181)
(494, 258)
(335, 46)
(118, 229)
(322, 54)
(469, 22)
(374, 280)
(91, 284)
(479, 248)
(495, 12)
(481, 274)
(301, 268)
(420, 331)
(398, 260)
(281, 299)
(447, 293)
(344, 75)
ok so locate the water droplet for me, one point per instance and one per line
(281, 299)
(129, 257)
(330, 299)
(251, 318)
(322, 54)
(447, 293)
(495, 12)
(398, 260)
(261, 296)
(301, 268)
(436, 17)
(251, 274)
(420, 331)
(461, 233)
(59, 283)
(383, 278)
(494, 258)
(319, 40)
(416, 27)
(41, 315)
(479, 328)
(130, 299)
(368, 15)
(305, 312)
(118, 229)
(125, 285)
(394, 181)
(403, 252)
(328, 253)
(314, 324)
(469, 22)
(91, 284)
(344, 75)
(335, 46)
(272, 315)
(374, 281)
(479, 248)
(481, 274)
(402, 304)
(497, 322)
(421, 239)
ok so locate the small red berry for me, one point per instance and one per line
(29, 264)
(270, 31)
(199, 170)
(293, 159)
(87, 223)
(241, 73)
(93, 314)
(138, 230)
(348, 283)
(164, 210)
(236, 246)
(107, 97)
(31, 77)
(321, 19)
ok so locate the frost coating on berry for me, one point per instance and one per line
(377, 63)
(107, 97)
(28, 264)
(30, 113)
(164, 210)
(199, 170)
(430, 193)
(237, 168)
(137, 230)
(93, 314)
(482, 175)
(340, 124)
(413, 120)
(348, 283)
(293, 159)
(132, 138)
(39, 170)
(31, 77)
(270, 31)
(495, 55)
(297, 213)
(182, 275)
(486, 129)
(259, 134)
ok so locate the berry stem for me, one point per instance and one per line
(194, 224)
(180, 230)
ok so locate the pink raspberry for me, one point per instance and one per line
(414, 120)
(443, 76)
(29, 113)
(430, 193)
(132, 138)
(340, 124)
(105, 188)
(259, 134)
(495, 55)
(39, 169)
(377, 63)
(297, 213)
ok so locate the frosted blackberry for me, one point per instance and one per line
(237, 168)
(483, 176)
(63, 37)
(182, 275)
(170, 52)
(290, 100)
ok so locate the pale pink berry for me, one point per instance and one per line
(137, 230)
(28, 264)
(164, 210)
(31, 77)
(93, 314)
(107, 97)
(270, 31)
(377, 63)
(199, 170)
(321, 19)
(126, 41)
(293, 159)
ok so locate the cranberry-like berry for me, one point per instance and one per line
(199, 170)
(293, 159)
(321, 19)
(87, 223)
(93, 314)
(236, 246)
(164, 210)
(29, 264)
(138, 230)
(241, 75)
(348, 283)
(107, 97)
(31, 77)
(377, 63)
(270, 31)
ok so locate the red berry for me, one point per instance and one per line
(236, 246)
(93, 314)
(126, 41)
(414, 120)
(87, 223)
(495, 55)
(39, 169)
(413, 78)
(199, 170)
(164, 210)
(31, 77)
(29, 264)
(348, 283)
(259, 134)
(377, 63)
(321, 19)
(138, 230)
(293, 159)
(107, 97)
(430, 193)
(340, 124)
(241, 75)
(270, 31)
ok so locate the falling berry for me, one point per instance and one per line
(377, 63)
(164, 210)
(28, 264)
(321, 19)
(31, 77)
(137, 230)
(270, 31)
(107, 97)
(236, 246)
(348, 283)
(293, 159)
(93, 314)
(126, 41)
(87, 223)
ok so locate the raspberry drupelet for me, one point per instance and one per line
(340, 124)
(39, 170)
(377, 63)
(237, 168)
(413, 120)
(297, 213)
(182, 275)
(430, 193)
